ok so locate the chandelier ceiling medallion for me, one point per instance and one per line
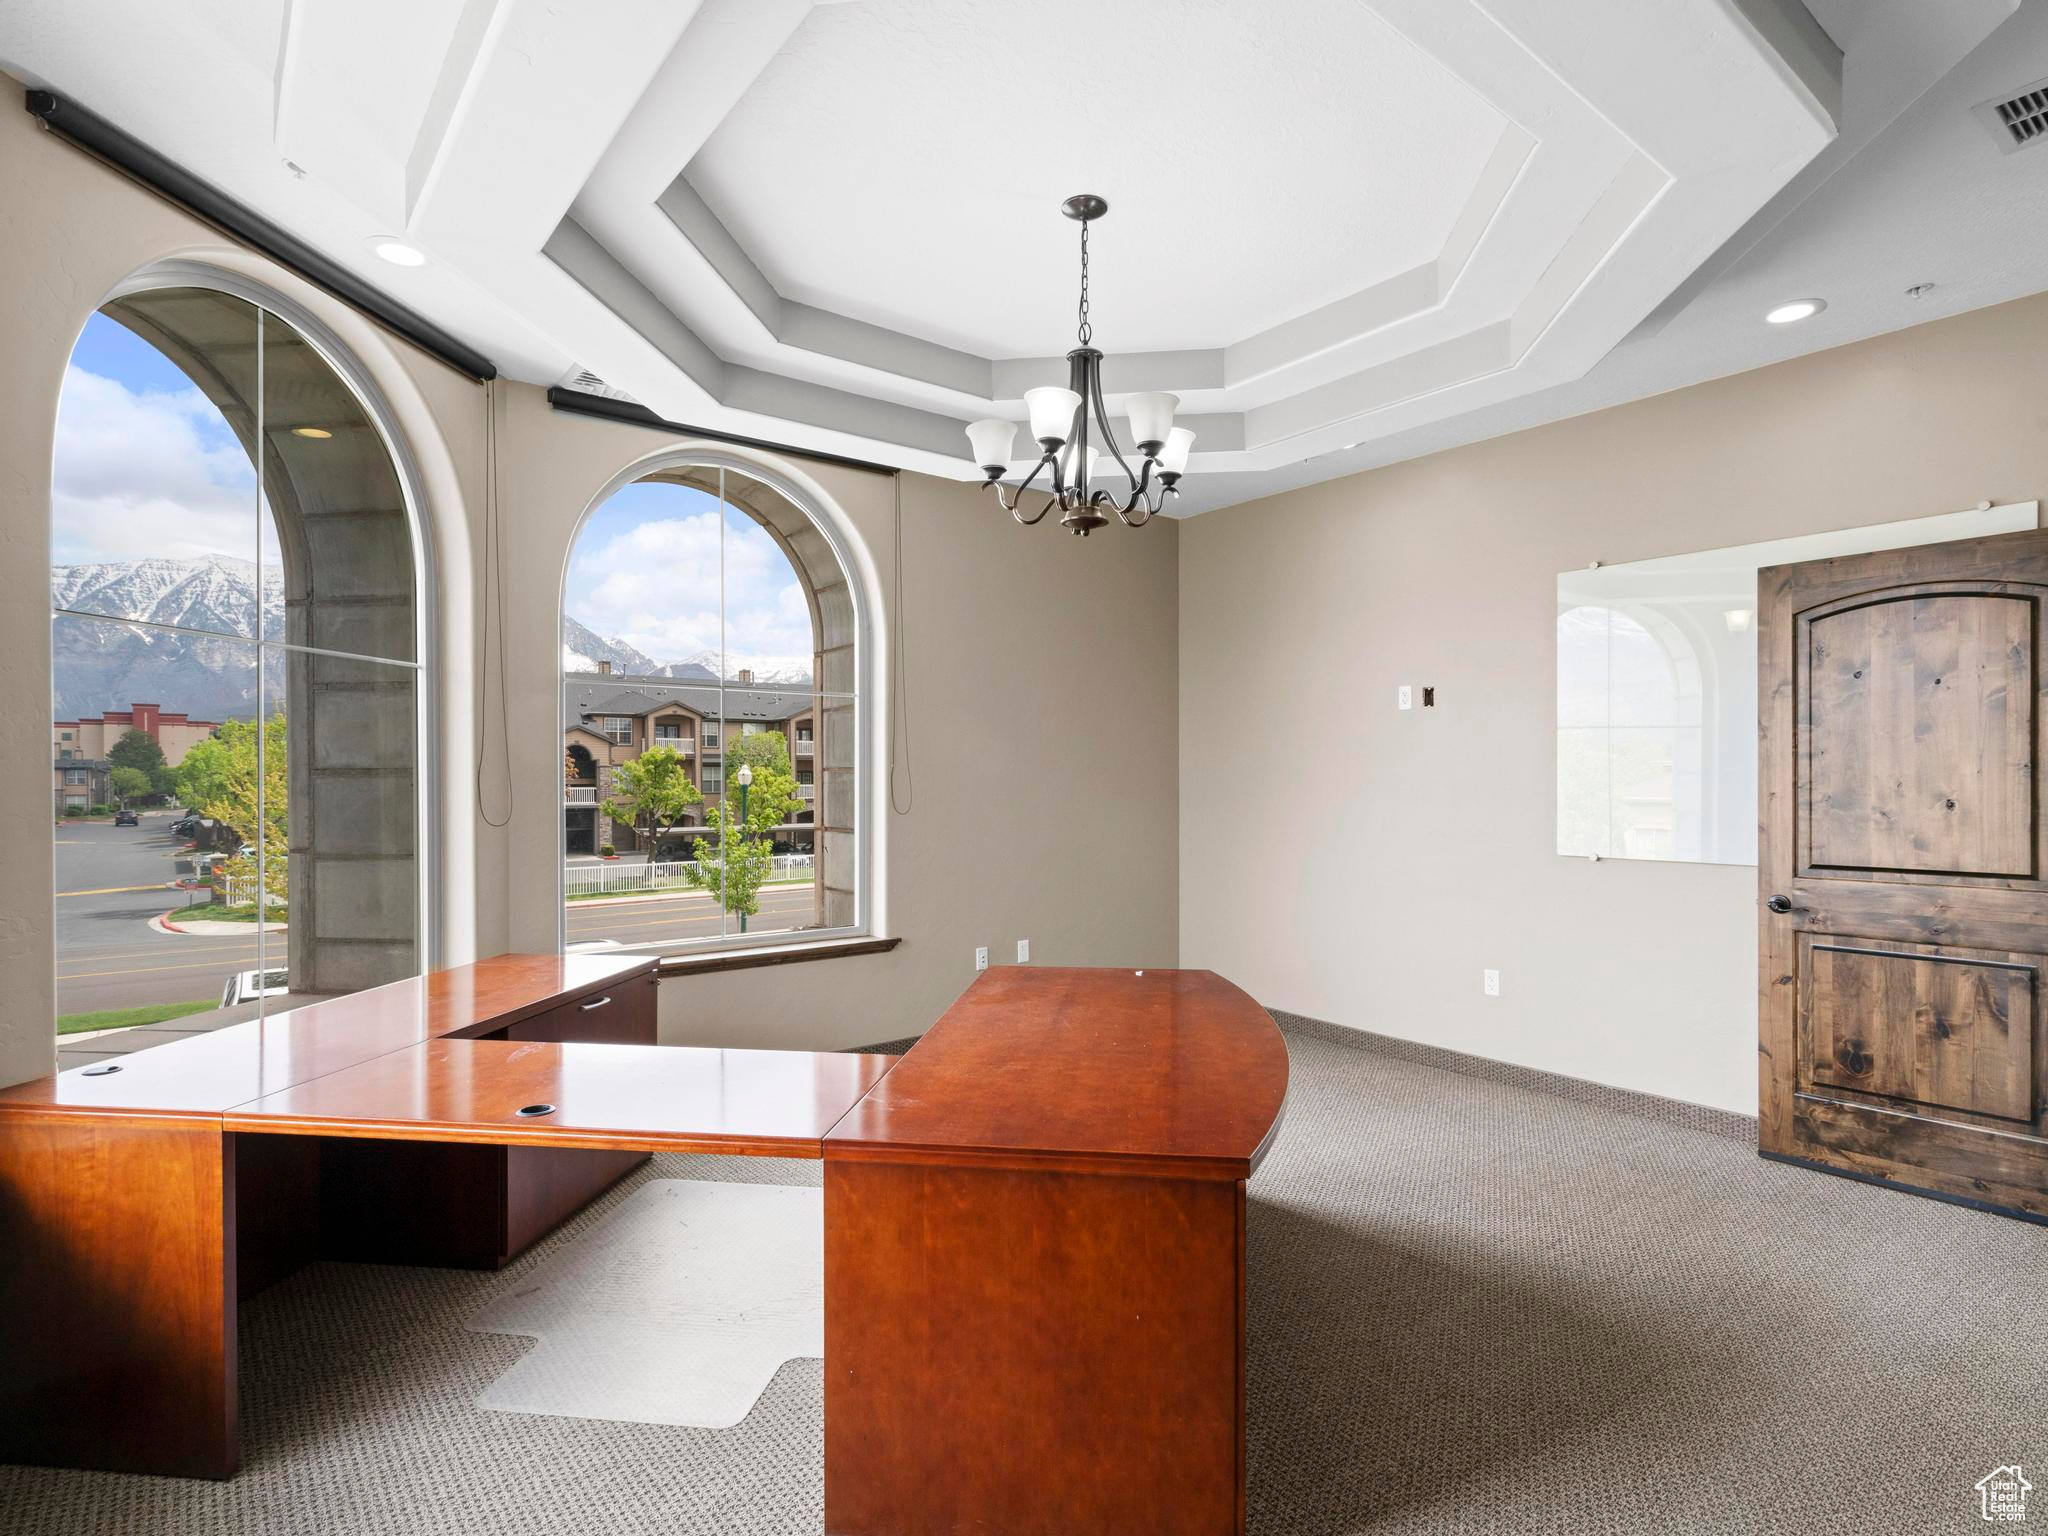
(1060, 422)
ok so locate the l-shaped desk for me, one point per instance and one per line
(1034, 1219)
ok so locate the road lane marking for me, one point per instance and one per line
(117, 890)
(146, 970)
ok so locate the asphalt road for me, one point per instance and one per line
(110, 882)
(692, 916)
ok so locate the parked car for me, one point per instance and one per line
(126, 818)
(184, 826)
(247, 986)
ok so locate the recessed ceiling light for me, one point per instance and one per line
(1798, 309)
(397, 252)
(319, 433)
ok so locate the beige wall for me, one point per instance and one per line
(1040, 697)
(1062, 831)
(1412, 850)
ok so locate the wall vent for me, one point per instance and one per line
(2019, 119)
(584, 382)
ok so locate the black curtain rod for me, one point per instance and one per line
(576, 402)
(97, 136)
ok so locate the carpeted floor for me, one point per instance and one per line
(1473, 1307)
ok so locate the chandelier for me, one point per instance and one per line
(1060, 422)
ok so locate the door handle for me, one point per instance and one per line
(586, 1007)
(1780, 904)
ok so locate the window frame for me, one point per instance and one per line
(833, 524)
(426, 663)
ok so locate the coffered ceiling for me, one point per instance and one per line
(1334, 224)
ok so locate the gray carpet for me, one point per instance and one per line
(1474, 1307)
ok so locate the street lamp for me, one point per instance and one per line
(743, 778)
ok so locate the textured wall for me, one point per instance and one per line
(1391, 856)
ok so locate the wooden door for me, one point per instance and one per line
(1903, 868)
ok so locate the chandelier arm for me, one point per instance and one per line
(1109, 433)
(1015, 499)
(1153, 505)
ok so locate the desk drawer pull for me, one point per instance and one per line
(530, 1110)
(586, 1007)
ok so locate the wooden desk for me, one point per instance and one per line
(132, 1218)
(1034, 1260)
(668, 1099)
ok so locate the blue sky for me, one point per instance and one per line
(145, 466)
(649, 566)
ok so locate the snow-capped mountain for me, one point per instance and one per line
(98, 666)
(215, 593)
(583, 648)
(212, 676)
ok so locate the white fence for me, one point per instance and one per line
(622, 878)
(240, 891)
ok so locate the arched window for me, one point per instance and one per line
(235, 656)
(710, 683)
(1630, 744)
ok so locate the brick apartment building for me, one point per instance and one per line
(80, 774)
(610, 719)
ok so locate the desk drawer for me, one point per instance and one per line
(620, 1015)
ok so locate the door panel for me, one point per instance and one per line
(1900, 868)
(1920, 722)
(1951, 1029)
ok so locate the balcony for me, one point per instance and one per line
(579, 794)
(807, 791)
(803, 748)
(685, 746)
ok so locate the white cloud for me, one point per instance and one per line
(656, 586)
(141, 475)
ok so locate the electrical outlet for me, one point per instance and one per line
(981, 958)
(1404, 697)
(1489, 982)
(1023, 951)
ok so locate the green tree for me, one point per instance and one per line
(650, 794)
(733, 865)
(129, 784)
(139, 750)
(227, 778)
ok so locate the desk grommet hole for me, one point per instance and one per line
(105, 1069)
(530, 1110)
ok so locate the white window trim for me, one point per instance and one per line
(377, 406)
(863, 583)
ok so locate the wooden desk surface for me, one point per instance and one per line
(208, 1073)
(631, 1097)
(1166, 1072)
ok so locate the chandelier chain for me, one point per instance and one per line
(1087, 331)
(1069, 423)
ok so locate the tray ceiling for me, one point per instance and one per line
(1333, 222)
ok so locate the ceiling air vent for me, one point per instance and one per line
(2019, 119)
(584, 382)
